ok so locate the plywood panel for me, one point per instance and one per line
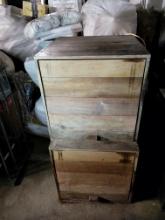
(92, 87)
(92, 68)
(93, 106)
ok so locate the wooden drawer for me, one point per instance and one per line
(80, 126)
(93, 87)
(106, 172)
(92, 68)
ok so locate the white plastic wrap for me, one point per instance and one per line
(41, 25)
(12, 39)
(39, 130)
(51, 23)
(65, 31)
(60, 5)
(109, 17)
(40, 111)
(32, 69)
(70, 17)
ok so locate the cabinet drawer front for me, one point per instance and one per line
(93, 106)
(79, 126)
(92, 87)
(94, 173)
(92, 68)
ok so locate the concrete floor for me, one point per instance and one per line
(36, 199)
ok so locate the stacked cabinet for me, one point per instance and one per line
(93, 89)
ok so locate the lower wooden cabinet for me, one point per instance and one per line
(95, 170)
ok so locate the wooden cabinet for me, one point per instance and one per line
(93, 89)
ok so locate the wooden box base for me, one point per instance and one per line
(94, 170)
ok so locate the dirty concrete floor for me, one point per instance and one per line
(36, 198)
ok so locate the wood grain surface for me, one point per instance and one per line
(82, 127)
(92, 68)
(92, 87)
(94, 47)
(93, 106)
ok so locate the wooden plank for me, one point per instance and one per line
(94, 183)
(92, 87)
(94, 167)
(76, 126)
(93, 106)
(90, 156)
(92, 144)
(93, 47)
(92, 68)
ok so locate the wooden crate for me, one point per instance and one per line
(94, 170)
(93, 88)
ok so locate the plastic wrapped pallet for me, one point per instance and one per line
(61, 5)
(109, 17)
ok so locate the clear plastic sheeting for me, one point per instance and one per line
(12, 39)
(109, 17)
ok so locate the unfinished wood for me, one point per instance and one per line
(76, 126)
(94, 47)
(85, 197)
(94, 172)
(103, 145)
(99, 167)
(93, 87)
(94, 183)
(92, 68)
(93, 106)
(94, 156)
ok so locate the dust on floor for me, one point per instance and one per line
(36, 199)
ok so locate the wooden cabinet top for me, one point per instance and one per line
(123, 46)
